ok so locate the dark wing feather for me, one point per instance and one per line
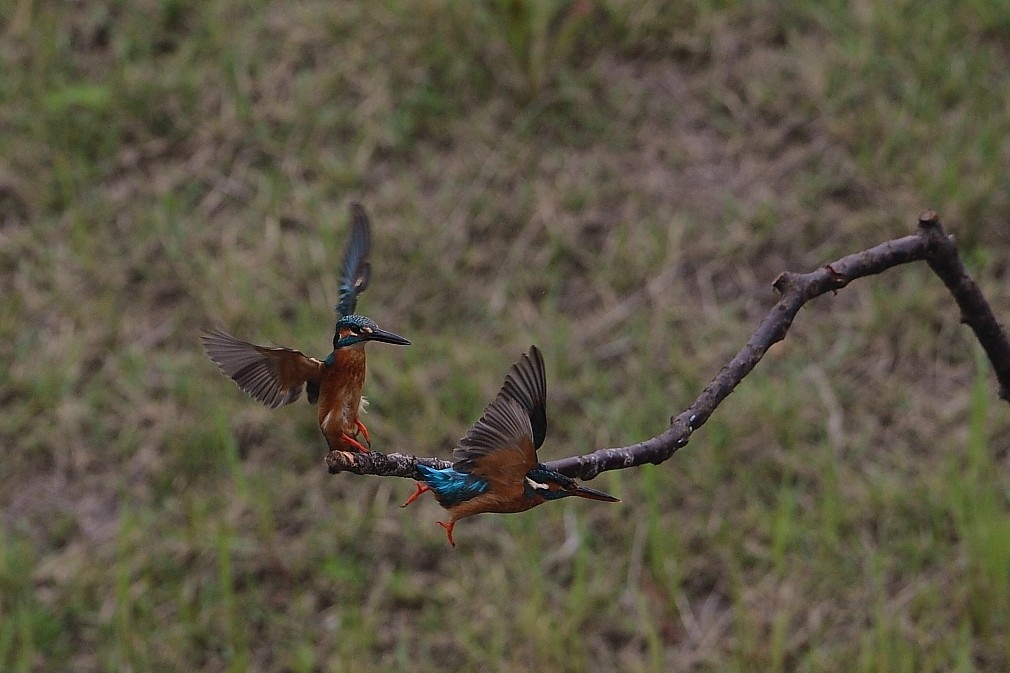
(356, 270)
(274, 376)
(526, 382)
(499, 446)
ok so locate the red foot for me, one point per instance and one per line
(353, 443)
(421, 488)
(363, 430)
(448, 530)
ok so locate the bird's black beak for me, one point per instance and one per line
(591, 493)
(387, 337)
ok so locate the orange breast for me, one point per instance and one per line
(340, 395)
(493, 502)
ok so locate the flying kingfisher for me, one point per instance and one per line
(275, 376)
(496, 468)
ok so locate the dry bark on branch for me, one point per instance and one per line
(930, 243)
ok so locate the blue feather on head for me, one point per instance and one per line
(355, 329)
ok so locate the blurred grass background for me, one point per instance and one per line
(618, 182)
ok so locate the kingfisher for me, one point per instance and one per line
(496, 468)
(275, 376)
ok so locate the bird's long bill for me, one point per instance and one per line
(592, 494)
(387, 337)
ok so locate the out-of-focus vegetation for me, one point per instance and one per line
(618, 182)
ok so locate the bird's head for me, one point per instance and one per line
(550, 485)
(356, 329)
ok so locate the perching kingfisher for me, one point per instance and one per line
(275, 376)
(496, 468)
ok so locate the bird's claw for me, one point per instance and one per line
(363, 431)
(448, 530)
(353, 443)
(421, 488)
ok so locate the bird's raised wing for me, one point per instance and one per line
(274, 376)
(356, 270)
(526, 382)
(499, 446)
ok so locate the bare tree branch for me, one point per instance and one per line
(929, 243)
(975, 310)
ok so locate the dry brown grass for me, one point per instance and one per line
(623, 203)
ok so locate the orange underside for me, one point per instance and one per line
(339, 400)
(494, 502)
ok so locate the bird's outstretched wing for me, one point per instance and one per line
(356, 270)
(526, 382)
(274, 376)
(499, 446)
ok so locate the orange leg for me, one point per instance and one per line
(421, 488)
(363, 430)
(448, 530)
(353, 443)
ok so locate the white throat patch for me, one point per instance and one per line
(537, 486)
